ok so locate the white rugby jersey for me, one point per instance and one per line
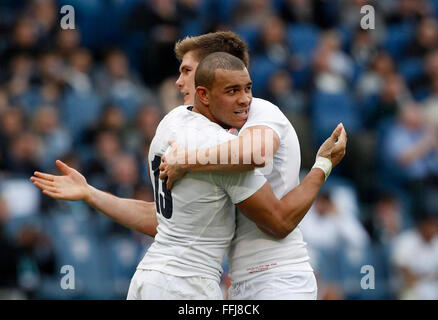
(196, 219)
(252, 251)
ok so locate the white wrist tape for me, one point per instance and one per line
(324, 164)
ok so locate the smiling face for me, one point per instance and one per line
(186, 80)
(230, 97)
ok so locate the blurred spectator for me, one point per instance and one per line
(169, 95)
(297, 11)
(124, 175)
(67, 41)
(252, 13)
(333, 69)
(373, 79)
(24, 154)
(387, 219)
(430, 105)
(107, 147)
(12, 123)
(56, 140)
(273, 41)
(325, 226)
(411, 153)
(8, 259)
(393, 94)
(363, 48)
(24, 39)
(146, 123)
(415, 257)
(118, 84)
(36, 259)
(426, 38)
(45, 19)
(280, 91)
(160, 20)
(77, 74)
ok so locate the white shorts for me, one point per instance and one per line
(155, 285)
(276, 286)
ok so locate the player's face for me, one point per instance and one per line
(230, 97)
(186, 80)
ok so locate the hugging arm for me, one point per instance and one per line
(254, 147)
(277, 217)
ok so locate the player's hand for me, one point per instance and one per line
(173, 163)
(70, 186)
(334, 147)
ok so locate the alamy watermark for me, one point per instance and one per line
(368, 20)
(68, 280)
(68, 18)
(368, 281)
(256, 148)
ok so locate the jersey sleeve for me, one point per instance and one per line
(264, 113)
(240, 186)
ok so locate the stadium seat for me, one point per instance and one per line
(261, 69)
(249, 34)
(329, 109)
(397, 38)
(303, 39)
(79, 111)
(411, 69)
(122, 258)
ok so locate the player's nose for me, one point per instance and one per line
(179, 82)
(244, 99)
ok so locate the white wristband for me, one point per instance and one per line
(324, 164)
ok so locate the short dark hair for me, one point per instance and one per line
(205, 72)
(222, 41)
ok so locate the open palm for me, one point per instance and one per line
(72, 185)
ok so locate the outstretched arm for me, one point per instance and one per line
(277, 217)
(254, 147)
(135, 214)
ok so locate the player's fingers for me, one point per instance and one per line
(52, 194)
(337, 132)
(42, 181)
(163, 174)
(343, 137)
(45, 187)
(169, 183)
(46, 176)
(172, 143)
(163, 166)
(63, 167)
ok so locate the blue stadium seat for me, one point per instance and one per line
(122, 257)
(218, 10)
(83, 252)
(249, 34)
(328, 109)
(79, 111)
(261, 69)
(303, 39)
(397, 38)
(411, 69)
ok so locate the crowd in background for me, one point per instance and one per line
(92, 96)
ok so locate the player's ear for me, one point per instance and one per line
(202, 93)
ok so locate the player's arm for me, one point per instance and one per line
(135, 214)
(254, 147)
(280, 217)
